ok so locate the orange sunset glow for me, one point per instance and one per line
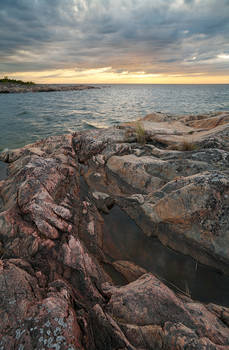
(126, 41)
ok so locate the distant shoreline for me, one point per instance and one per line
(7, 88)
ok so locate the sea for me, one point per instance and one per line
(27, 117)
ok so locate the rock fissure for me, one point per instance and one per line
(78, 216)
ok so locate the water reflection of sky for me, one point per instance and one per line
(3, 170)
(123, 240)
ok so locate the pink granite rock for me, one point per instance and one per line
(65, 285)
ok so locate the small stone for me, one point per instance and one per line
(100, 195)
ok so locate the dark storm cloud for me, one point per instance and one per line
(160, 36)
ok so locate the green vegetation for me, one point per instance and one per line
(136, 133)
(140, 133)
(7, 80)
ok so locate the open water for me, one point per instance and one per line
(25, 118)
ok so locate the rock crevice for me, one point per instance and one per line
(80, 219)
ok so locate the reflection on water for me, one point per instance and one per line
(124, 240)
(3, 170)
(3, 176)
(24, 118)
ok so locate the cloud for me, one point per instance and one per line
(157, 37)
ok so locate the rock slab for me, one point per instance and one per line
(60, 288)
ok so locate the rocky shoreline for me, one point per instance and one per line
(6, 88)
(72, 208)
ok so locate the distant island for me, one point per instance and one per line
(8, 85)
(7, 80)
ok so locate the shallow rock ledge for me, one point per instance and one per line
(6, 88)
(66, 282)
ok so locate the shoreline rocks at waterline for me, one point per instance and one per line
(65, 285)
(7, 88)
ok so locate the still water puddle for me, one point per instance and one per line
(124, 240)
(3, 176)
(3, 171)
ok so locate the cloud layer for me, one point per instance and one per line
(173, 37)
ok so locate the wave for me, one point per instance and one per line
(22, 113)
(94, 125)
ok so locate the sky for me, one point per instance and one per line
(115, 41)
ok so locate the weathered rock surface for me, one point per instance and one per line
(65, 285)
(6, 88)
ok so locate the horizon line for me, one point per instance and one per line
(133, 83)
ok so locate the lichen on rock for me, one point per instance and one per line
(68, 282)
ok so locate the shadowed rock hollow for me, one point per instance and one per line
(83, 222)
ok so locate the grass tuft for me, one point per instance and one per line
(140, 133)
(185, 145)
(187, 290)
(188, 146)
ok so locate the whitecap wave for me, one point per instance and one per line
(95, 125)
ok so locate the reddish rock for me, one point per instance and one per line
(31, 320)
(129, 270)
(175, 323)
(55, 292)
